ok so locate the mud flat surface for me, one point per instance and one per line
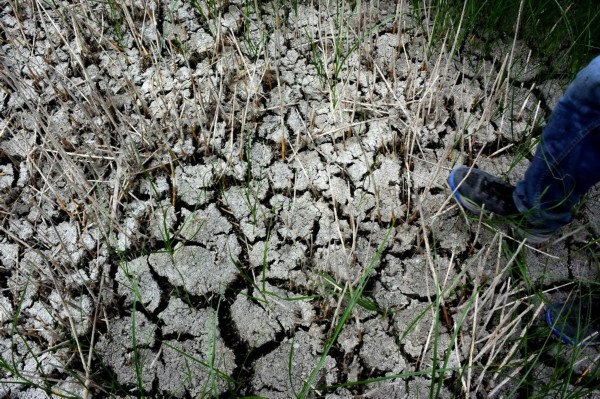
(249, 199)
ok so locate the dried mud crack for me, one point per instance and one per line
(233, 198)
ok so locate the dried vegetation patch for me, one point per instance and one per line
(231, 198)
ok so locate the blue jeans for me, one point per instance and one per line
(567, 160)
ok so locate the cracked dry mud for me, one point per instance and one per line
(191, 196)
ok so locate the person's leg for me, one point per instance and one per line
(565, 166)
(567, 160)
